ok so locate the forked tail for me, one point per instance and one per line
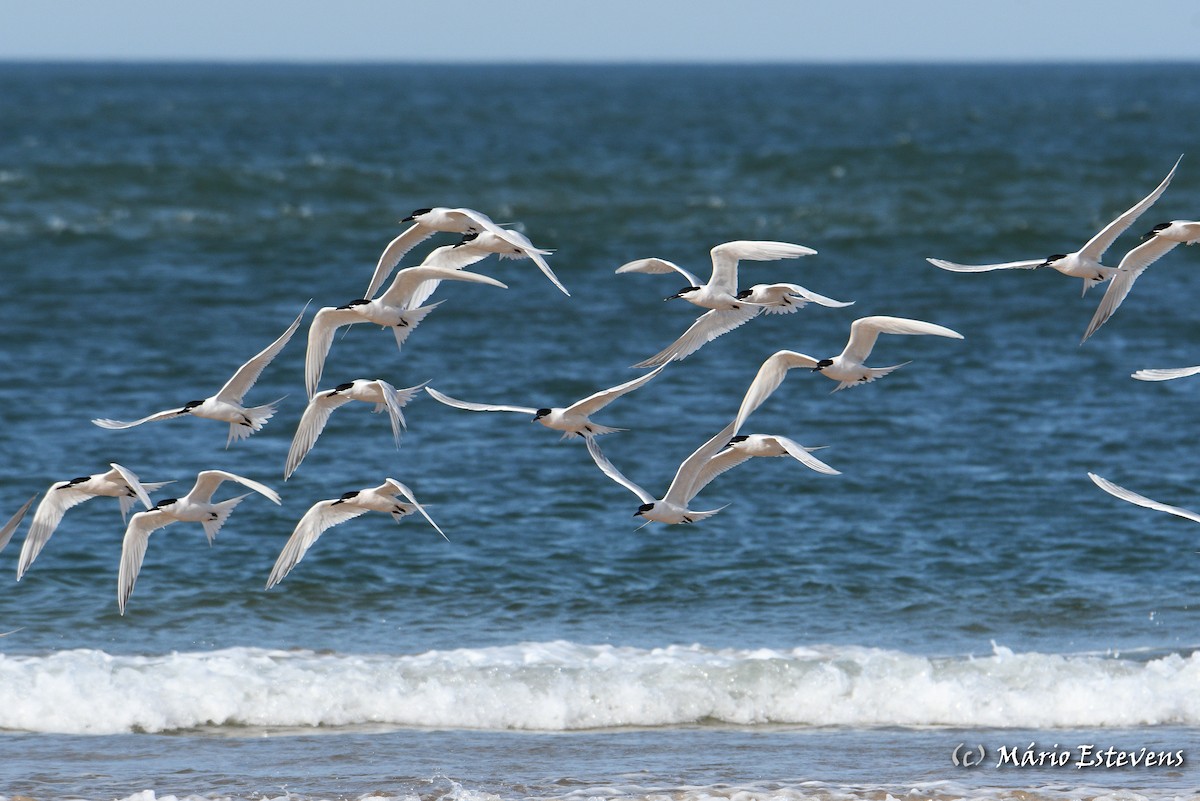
(221, 512)
(411, 319)
(255, 418)
(591, 430)
(692, 517)
(872, 374)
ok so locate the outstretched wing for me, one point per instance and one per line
(1132, 266)
(320, 338)
(135, 484)
(133, 550)
(394, 252)
(117, 424)
(394, 401)
(658, 266)
(449, 257)
(409, 280)
(767, 380)
(686, 483)
(478, 407)
(612, 472)
(237, 386)
(730, 458)
(407, 494)
(1165, 374)
(312, 423)
(804, 455)
(816, 297)
(55, 503)
(708, 326)
(10, 527)
(721, 462)
(320, 517)
(865, 330)
(537, 255)
(597, 401)
(725, 258)
(1099, 243)
(1141, 500)
(1027, 264)
(207, 482)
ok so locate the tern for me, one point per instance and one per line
(1155, 243)
(767, 299)
(747, 446)
(1132, 265)
(316, 414)
(847, 368)
(389, 310)
(226, 405)
(1186, 232)
(720, 292)
(427, 222)
(195, 507)
(1083, 263)
(119, 482)
(324, 515)
(510, 244)
(1141, 500)
(473, 248)
(573, 421)
(690, 478)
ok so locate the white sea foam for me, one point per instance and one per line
(561, 686)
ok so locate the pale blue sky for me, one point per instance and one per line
(601, 30)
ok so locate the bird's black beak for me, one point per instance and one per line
(1150, 234)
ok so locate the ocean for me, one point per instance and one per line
(960, 613)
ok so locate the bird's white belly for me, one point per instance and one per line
(189, 511)
(221, 410)
(1084, 268)
(710, 298)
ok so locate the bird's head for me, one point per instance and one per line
(1155, 230)
(346, 496)
(187, 407)
(416, 215)
(353, 303)
(821, 365)
(1052, 260)
(165, 502)
(737, 439)
(641, 510)
(342, 388)
(683, 293)
(468, 237)
(540, 413)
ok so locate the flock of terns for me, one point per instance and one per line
(402, 306)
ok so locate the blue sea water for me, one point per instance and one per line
(962, 582)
